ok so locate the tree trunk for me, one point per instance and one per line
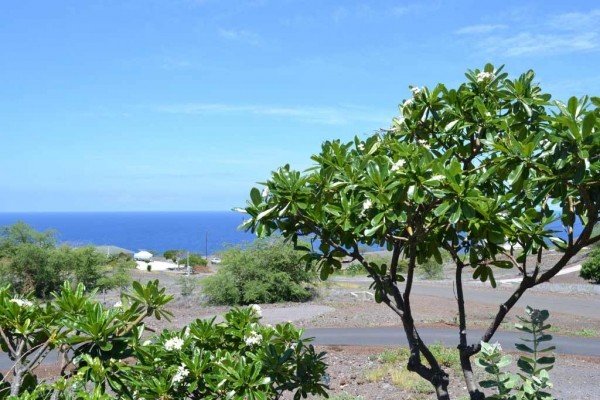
(472, 387)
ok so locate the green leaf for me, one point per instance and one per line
(515, 174)
(524, 348)
(371, 231)
(441, 209)
(525, 366)
(265, 213)
(546, 360)
(255, 196)
(502, 264)
(455, 214)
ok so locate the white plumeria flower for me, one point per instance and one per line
(181, 374)
(485, 76)
(361, 146)
(253, 339)
(256, 310)
(174, 344)
(367, 204)
(398, 165)
(423, 143)
(407, 103)
(415, 90)
(21, 302)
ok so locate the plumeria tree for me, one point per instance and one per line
(478, 171)
(107, 353)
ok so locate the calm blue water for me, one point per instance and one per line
(157, 231)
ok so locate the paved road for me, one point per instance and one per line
(396, 337)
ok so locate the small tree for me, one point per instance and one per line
(474, 171)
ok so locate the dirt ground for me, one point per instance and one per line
(355, 372)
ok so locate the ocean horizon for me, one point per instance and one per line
(197, 231)
(204, 232)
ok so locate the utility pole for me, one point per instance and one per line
(187, 263)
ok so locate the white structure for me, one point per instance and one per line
(142, 256)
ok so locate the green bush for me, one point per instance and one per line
(107, 353)
(187, 285)
(173, 255)
(30, 261)
(196, 259)
(431, 269)
(590, 269)
(267, 271)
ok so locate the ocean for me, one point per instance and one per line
(154, 231)
(200, 231)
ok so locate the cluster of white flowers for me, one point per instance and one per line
(361, 146)
(367, 204)
(181, 374)
(496, 346)
(118, 304)
(398, 165)
(21, 302)
(253, 338)
(485, 76)
(415, 90)
(174, 344)
(256, 310)
(423, 143)
(265, 193)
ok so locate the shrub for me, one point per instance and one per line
(105, 356)
(31, 262)
(187, 284)
(590, 269)
(533, 381)
(431, 269)
(267, 271)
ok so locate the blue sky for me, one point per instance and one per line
(122, 105)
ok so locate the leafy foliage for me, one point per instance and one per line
(104, 353)
(31, 262)
(267, 271)
(534, 380)
(477, 171)
(590, 269)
